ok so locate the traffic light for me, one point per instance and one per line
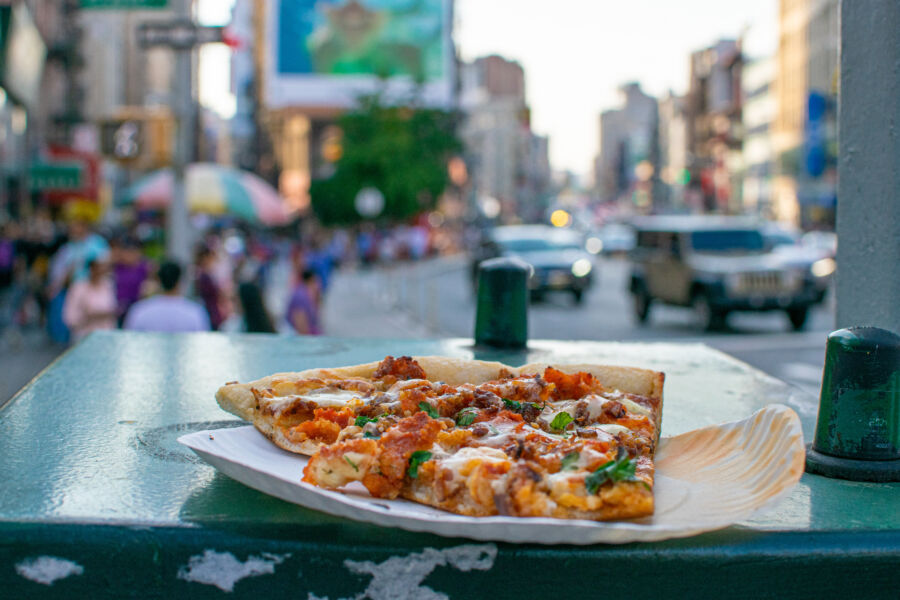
(138, 137)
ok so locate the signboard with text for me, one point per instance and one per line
(52, 177)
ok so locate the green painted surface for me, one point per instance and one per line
(860, 403)
(92, 473)
(124, 4)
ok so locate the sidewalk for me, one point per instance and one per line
(376, 303)
(22, 359)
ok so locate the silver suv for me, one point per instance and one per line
(717, 265)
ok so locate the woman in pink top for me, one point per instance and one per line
(91, 303)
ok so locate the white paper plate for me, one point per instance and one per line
(705, 479)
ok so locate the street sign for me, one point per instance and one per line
(178, 34)
(124, 4)
(49, 177)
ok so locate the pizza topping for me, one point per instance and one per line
(560, 421)
(569, 460)
(362, 420)
(393, 369)
(620, 469)
(572, 386)
(415, 459)
(466, 417)
(429, 410)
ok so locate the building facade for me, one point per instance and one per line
(804, 133)
(758, 165)
(714, 126)
(506, 160)
(628, 159)
(673, 156)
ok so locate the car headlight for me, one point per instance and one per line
(581, 267)
(823, 267)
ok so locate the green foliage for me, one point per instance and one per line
(400, 150)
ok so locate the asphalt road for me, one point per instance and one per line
(438, 296)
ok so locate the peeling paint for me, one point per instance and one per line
(399, 577)
(47, 569)
(223, 570)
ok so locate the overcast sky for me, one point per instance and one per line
(575, 53)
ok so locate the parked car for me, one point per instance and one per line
(717, 265)
(824, 242)
(612, 238)
(557, 257)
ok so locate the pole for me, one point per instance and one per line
(178, 238)
(868, 217)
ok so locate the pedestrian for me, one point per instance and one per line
(303, 311)
(207, 288)
(130, 271)
(167, 311)
(68, 265)
(90, 303)
(256, 318)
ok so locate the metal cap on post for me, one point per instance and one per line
(858, 428)
(501, 317)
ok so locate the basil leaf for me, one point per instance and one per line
(352, 464)
(370, 435)
(537, 405)
(620, 469)
(512, 404)
(417, 458)
(361, 421)
(569, 460)
(560, 421)
(466, 416)
(429, 410)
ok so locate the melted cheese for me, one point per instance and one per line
(461, 461)
(611, 428)
(330, 398)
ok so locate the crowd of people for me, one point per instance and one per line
(72, 281)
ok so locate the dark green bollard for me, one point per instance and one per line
(501, 319)
(858, 428)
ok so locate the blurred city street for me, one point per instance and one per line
(434, 298)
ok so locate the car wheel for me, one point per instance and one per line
(707, 316)
(642, 301)
(798, 317)
(578, 296)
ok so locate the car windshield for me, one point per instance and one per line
(728, 240)
(535, 245)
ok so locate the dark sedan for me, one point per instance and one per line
(557, 257)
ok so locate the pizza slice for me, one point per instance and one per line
(471, 437)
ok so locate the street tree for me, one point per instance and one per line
(400, 150)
